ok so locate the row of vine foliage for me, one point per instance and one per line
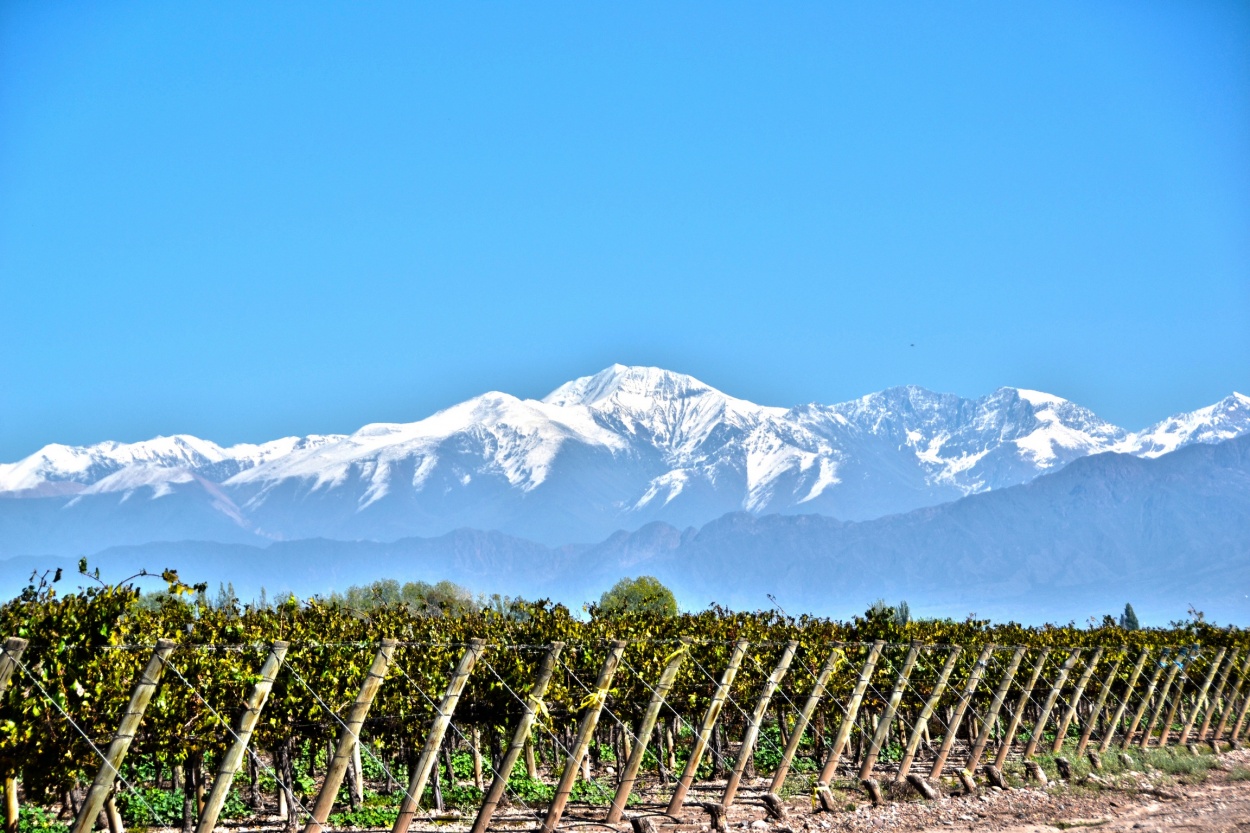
(86, 649)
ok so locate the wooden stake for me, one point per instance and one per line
(965, 699)
(923, 787)
(1061, 730)
(922, 722)
(1215, 698)
(1099, 702)
(1166, 729)
(9, 655)
(836, 656)
(1051, 698)
(705, 730)
(233, 758)
(883, 725)
(1145, 702)
(533, 705)
(983, 737)
(1018, 714)
(1241, 721)
(852, 709)
(438, 730)
(350, 736)
(645, 730)
(1200, 702)
(1232, 700)
(1114, 723)
(106, 777)
(716, 813)
(1163, 699)
(12, 813)
(585, 732)
(757, 717)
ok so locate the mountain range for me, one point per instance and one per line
(664, 474)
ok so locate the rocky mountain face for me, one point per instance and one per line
(618, 450)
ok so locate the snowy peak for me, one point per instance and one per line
(1049, 428)
(628, 386)
(677, 413)
(1228, 418)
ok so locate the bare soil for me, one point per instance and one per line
(1143, 802)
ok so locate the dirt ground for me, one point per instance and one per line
(1217, 800)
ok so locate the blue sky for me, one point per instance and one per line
(244, 221)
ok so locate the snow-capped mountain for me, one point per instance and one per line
(1228, 418)
(616, 450)
(110, 466)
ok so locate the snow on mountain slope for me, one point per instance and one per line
(1228, 418)
(517, 439)
(61, 469)
(703, 437)
(618, 449)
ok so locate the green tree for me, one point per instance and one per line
(1128, 619)
(644, 594)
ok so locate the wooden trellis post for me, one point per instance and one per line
(705, 730)
(247, 723)
(1232, 700)
(996, 705)
(1166, 729)
(965, 699)
(1215, 697)
(1241, 719)
(1049, 705)
(1114, 723)
(883, 725)
(1163, 700)
(629, 775)
(1200, 701)
(1145, 701)
(585, 732)
(106, 777)
(852, 709)
(9, 655)
(836, 656)
(434, 741)
(350, 736)
(922, 722)
(533, 705)
(1099, 702)
(1016, 716)
(1061, 729)
(747, 750)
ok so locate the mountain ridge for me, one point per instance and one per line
(621, 448)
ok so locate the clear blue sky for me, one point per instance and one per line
(249, 220)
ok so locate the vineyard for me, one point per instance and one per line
(315, 715)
